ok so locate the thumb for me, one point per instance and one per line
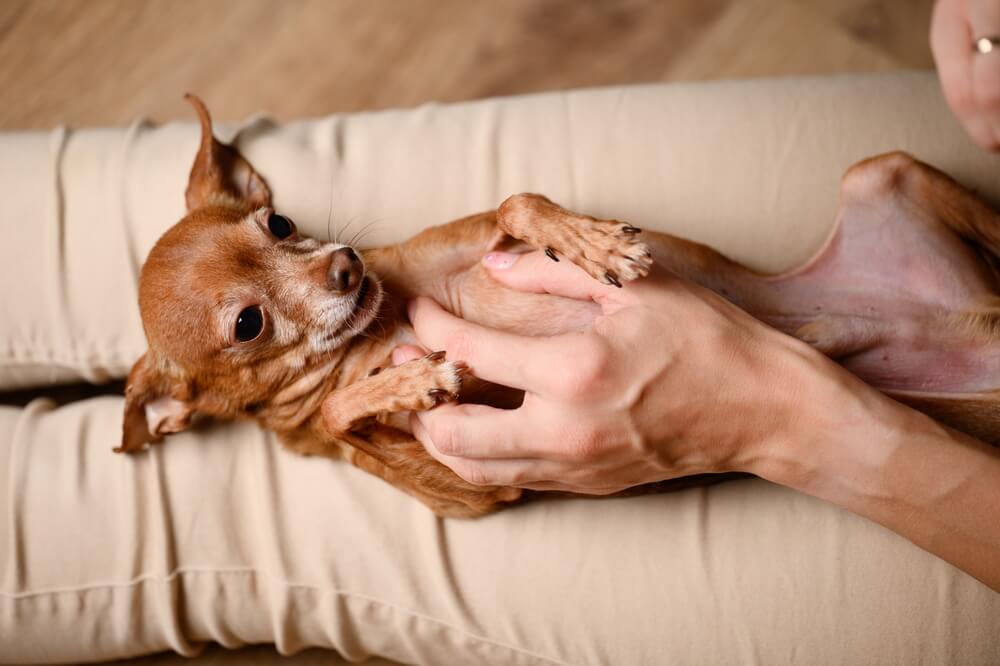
(539, 273)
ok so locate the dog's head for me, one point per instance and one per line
(243, 316)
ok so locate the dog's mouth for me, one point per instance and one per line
(366, 305)
(367, 301)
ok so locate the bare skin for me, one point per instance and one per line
(970, 80)
(721, 392)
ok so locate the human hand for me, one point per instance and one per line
(670, 380)
(971, 80)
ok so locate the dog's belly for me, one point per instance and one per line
(486, 302)
(895, 295)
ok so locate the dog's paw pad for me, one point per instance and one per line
(439, 380)
(610, 251)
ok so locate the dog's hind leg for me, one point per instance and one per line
(609, 250)
(417, 266)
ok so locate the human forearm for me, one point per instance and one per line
(937, 487)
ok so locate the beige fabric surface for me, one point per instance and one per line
(219, 535)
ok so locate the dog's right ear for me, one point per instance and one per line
(156, 404)
(220, 175)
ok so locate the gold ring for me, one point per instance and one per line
(986, 44)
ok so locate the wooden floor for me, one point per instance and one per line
(106, 62)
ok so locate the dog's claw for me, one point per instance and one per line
(612, 278)
(642, 263)
(435, 356)
(629, 230)
(551, 254)
(439, 395)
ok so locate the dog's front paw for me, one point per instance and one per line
(435, 380)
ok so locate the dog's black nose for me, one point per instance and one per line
(345, 271)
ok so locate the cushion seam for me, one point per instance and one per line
(179, 572)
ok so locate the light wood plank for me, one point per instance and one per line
(106, 62)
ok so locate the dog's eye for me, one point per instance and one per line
(249, 323)
(280, 226)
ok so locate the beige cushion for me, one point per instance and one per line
(219, 535)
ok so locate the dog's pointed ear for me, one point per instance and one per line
(156, 404)
(220, 175)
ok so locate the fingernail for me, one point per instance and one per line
(500, 259)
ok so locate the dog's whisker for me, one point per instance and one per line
(329, 217)
(363, 232)
(355, 235)
(343, 229)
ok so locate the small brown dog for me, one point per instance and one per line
(245, 318)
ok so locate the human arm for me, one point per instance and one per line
(672, 380)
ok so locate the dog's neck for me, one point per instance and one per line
(296, 407)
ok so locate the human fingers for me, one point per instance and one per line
(984, 21)
(404, 353)
(951, 43)
(538, 272)
(529, 363)
(533, 472)
(483, 432)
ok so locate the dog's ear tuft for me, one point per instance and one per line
(220, 174)
(155, 405)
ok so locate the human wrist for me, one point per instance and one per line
(898, 467)
(821, 411)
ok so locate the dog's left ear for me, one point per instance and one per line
(220, 175)
(156, 404)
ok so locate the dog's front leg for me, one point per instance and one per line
(412, 386)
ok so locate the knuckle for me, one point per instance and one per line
(518, 477)
(444, 438)
(583, 445)
(473, 474)
(587, 368)
(460, 345)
